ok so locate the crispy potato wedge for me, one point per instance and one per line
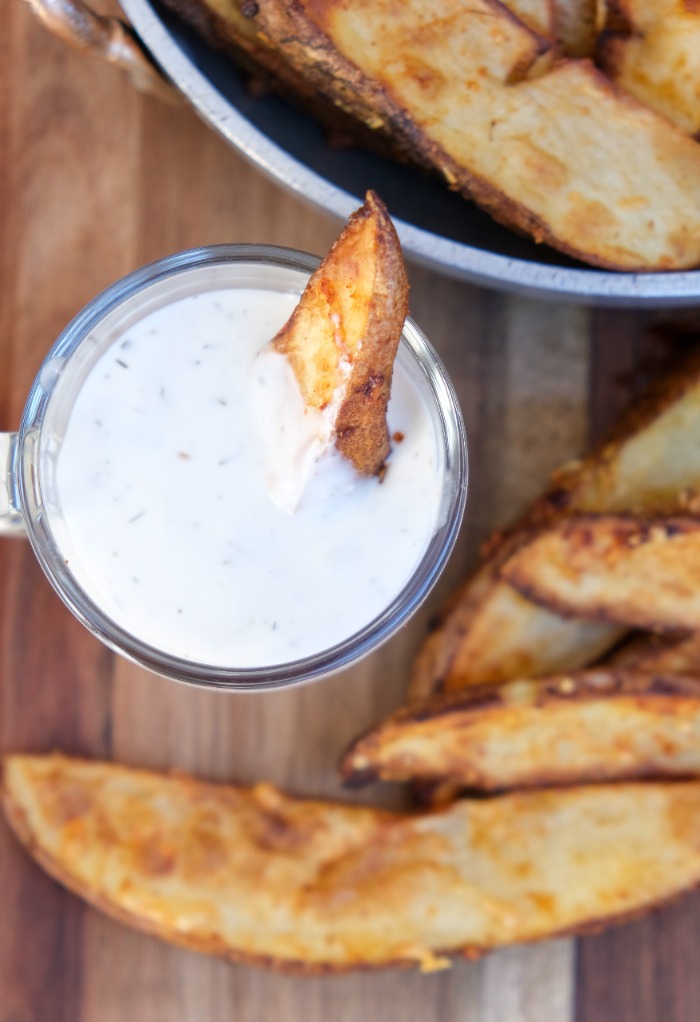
(325, 38)
(229, 26)
(491, 634)
(471, 91)
(597, 725)
(651, 49)
(648, 464)
(258, 877)
(641, 572)
(223, 23)
(463, 86)
(342, 338)
(538, 15)
(658, 654)
(576, 26)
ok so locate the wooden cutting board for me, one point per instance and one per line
(95, 180)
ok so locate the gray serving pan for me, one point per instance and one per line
(437, 228)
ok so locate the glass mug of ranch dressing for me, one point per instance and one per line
(141, 474)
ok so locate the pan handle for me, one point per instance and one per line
(109, 38)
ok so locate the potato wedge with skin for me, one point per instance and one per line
(651, 49)
(471, 91)
(258, 877)
(641, 572)
(536, 14)
(463, 87)
(342, 337)
(658, 654)
(598, 725)
(576, 26)
(491, 634)
(648, 464)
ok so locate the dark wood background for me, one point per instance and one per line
(95, 180)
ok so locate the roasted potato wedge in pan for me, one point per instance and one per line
(537, 15)
(476, 92)
(651, 49)
(576, 26)
(256, 876)
(572, 25)
(596, 725)
(471, 90)
(342, 337)
(641, 572)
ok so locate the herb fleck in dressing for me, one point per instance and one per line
(164, 507)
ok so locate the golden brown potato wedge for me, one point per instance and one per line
(470, 90)
(491, 634)
(224, 23)
(649, 463)
(342, 338)
(258, 877)
(538, 15)
(462, 85)
(576, 26)
(651, 49)
(229, 26)
(658, 654)
(326, 40)
(636, 571)
(597, 725)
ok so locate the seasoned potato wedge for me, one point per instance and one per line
(648, 464)
(491, 633)
(596, 725)
(258, 877)
(651, 49)
(636, 571)
(658, 654)
(576, 26)
(472, 90)
(342, 338)
(536, 14)
(463, 86)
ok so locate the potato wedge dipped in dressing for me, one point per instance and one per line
(342, 337)
(256, 876)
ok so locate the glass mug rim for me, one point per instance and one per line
(264, 677)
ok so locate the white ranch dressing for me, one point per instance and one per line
(162, 492)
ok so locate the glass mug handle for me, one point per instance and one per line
(11, 518)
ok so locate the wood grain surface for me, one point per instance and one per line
(96, 180)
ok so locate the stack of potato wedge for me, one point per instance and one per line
(571, 120)
(513, 687)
